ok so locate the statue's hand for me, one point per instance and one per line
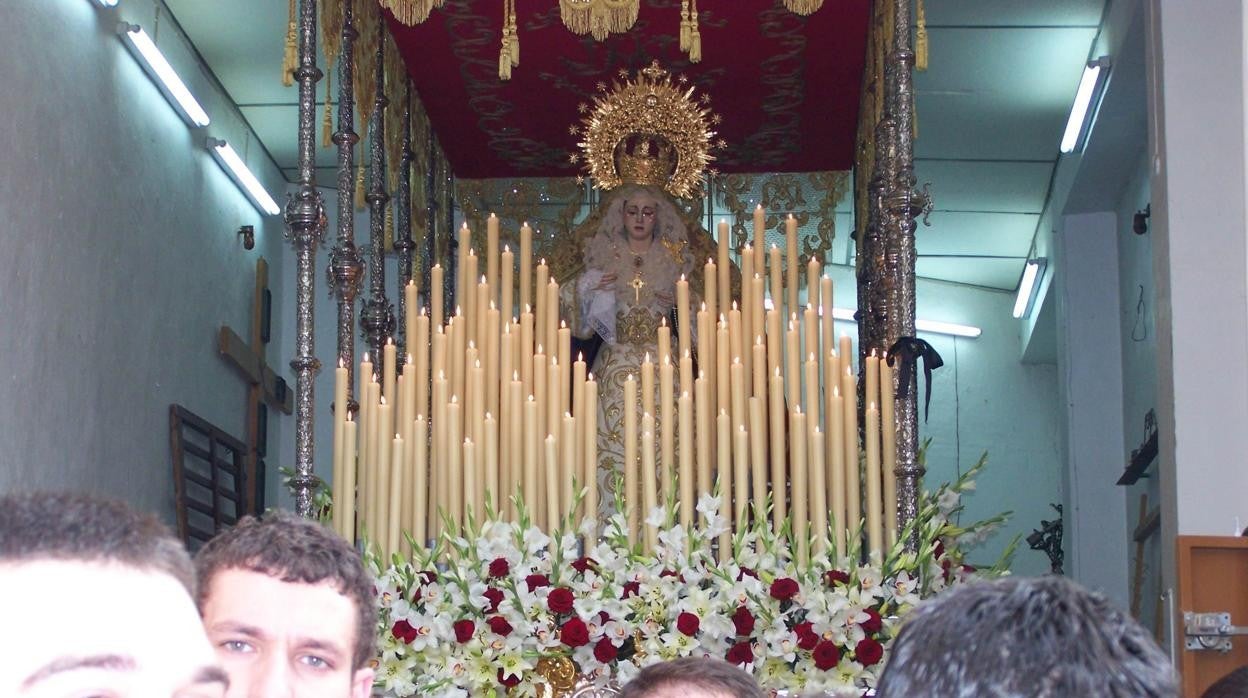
(665, 298)
(607, 282)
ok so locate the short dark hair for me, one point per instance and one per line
(296, 550)
(1038, 637)
(693, 672)
(1233, 685)
(71, 526)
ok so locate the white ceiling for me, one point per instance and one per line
(991, 108)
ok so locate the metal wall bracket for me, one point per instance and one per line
(1210, 631)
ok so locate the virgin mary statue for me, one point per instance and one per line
(621, 270)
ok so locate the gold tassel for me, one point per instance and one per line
(290, 60)
(504, 61)
(515, 36)
(695, 36)
(359, 187)
(327, 124)
(920, 38)
(685, 29)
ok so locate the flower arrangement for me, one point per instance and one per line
(510, 597)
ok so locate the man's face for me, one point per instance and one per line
(278, 638)
(73, 629)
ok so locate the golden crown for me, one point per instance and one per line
(647, 131)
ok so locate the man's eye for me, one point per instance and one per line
(237, 646)
(315, 662)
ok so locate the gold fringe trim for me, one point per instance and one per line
(410, 12)
(509, 50)
(920, 38)
(599, 18)
(290, 59)
(331, 16)
(803, 7)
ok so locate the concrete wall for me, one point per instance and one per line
(119, 258)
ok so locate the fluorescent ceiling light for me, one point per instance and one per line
(169, 80)
(108, 3)
(1027, 285)
(229, 158)
(1083, 101)
(935, 326)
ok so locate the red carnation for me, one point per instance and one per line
(873, 623)
(743, 620)
(835, 577)
(495, 597)
(806, 637)
(500, 567)
(499, 625)
(463, 630)
(604, 651)
(536, 581)
(574, 633)
(560, 600)
(741, 653)
(404, 631)
(784, 589)
(826, 655)
(631, 589)
(508, 680)
(687, 623)
(868, 651)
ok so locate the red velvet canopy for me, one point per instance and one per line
(786, 86)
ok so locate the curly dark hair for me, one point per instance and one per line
(693, 672)
(296, 550)
(80, 527)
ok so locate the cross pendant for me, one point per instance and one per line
(637, 283)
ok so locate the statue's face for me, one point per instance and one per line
(639, 214)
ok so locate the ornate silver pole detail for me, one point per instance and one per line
(305, 228)
(378, 317)
(403, 244)
(346, 269)
(901, 204)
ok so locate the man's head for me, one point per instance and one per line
(692, 677)
(1039, 637)
(97, 599)
(289, 608)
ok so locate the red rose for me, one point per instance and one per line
(499, 625)
(806, 637)
(784, 589)
(508, 681)
(868, 651)
(740, 653)
(835, 577)
(560, 600)
(743, 620)
(631, 589)
(536, 581)
(826, 655)
(404, 631)
(495, 597)
(463, 630)
(687, 623)
(499, 567)
(584, 563)
(873, 623)
(604, 651)
(574, 633)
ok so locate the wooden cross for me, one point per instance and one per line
(637, 285)
(263, 383)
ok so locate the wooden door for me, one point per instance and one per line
(1213, 577)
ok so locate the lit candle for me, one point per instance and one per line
(667, 431)
(647, 384)
(710, 294)
(875, 531)
(775, 408)
(420, 481)
(345, 506)
(461, 261)
(828, 324)
(589, 432)
(438, 460)
(702, 406)
(812, 282)
(723, 387)
(567, 465)
(552, 482)
(775, 342)
(526, 265)
(792, 363)
(469, 302)
(723, 468)
(506, 285)
(790, 252)
(747, 310)
(758, 456)
(888, 434)
(552, 341)
(760, 232)
(380, 480)
(565, 363)
(553, 382)
(409, 311)
(759, 365)
(420, 349)
(630, 459)
(810, 344)
(686, 370)
(512, 467)
(491, 250)
(454, 468)
(526, 351)
(579, 371)
(530, 466)
(649, 493)
(812, 389)
(539, 306)
(818, 492)
(493, 360)
(472, 485)
(491, 463)
(436, 304)
(540, 385)
(797, 467)
(740, 476)
(394, 527)
(664, 341)
(737, 350)
(849, 442)
(388, 363)
(760, 312)
(682, 316)
(873, 378)
(725, 290)
(776, 288)
(688, 497)
(737, 379)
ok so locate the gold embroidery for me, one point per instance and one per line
(637, 326)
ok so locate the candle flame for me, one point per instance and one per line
(350, 417)
(506, 249)
(531, 397)
(409, 358)
(383, 400)
(580, 356)
(454, 399)
(590, 377)
(646, 359)
(389, 341)
(836, 391)
(423, 310)
(541, 262)
(563, 324)
(734, 305)
(471, 345)
(488, 418)
(342, 363)
(515, 375)
(539, 349)
(365, 358)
